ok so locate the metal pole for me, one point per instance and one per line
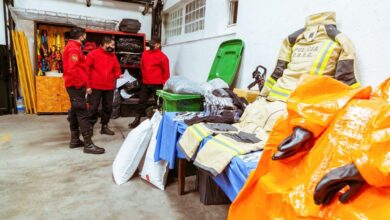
(12, 80)
(157, 19)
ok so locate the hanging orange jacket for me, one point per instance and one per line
(372, 160)
(336, 115)
(373, 157)
(383, 91)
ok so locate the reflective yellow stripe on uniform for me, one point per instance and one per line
(270, 82)
(196, 132)
(219, 143)
(323, 57)
(355, 85)
(239, 150)
(280, 93)
(202, 131)
(327, 57)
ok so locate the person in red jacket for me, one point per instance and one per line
(155, 72)
(103, 68)
(76, 80)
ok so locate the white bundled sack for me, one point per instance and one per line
(155, 173)
(125, 95)
(131, 152)
(125, 79)
(182, 85)
(218, 83)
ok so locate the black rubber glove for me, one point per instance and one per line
(336, 180)
(299, 140)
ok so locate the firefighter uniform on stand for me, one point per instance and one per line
(317, 49)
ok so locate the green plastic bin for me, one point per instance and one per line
(225, 66)
(180, 102)
(227, 61)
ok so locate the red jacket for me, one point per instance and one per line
(103, 69)
(154, 67)
(75, 71)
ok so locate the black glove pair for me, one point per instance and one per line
(300, 140)
(332, 182)
(336, 180)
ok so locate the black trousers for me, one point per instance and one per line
(78, 113)
(106, 98)
(146, 92)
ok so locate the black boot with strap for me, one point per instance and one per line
(75, 141)
(89, 146)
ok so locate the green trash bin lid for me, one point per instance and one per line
(227, 61)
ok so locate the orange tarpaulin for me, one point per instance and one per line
(350, 125)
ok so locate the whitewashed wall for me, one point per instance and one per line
(263, 25)
(192, 55)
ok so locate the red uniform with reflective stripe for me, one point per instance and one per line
(103, 69)
(75, 71)
(154, 67)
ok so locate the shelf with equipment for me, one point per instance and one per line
(128, 46)
(50, 41)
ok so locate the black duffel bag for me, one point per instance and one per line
(130, 25)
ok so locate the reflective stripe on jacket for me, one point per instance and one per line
(318, 49)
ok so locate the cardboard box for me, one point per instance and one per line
(249, 95)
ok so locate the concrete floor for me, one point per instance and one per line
(41, 178)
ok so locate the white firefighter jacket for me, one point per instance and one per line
(317, 49)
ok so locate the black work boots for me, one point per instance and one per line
(75, 141)
(89, 146)
(106, 130)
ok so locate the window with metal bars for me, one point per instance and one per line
(233, 11)
(175, 23)
(194, 17)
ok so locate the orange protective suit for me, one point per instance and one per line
(350, 125)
